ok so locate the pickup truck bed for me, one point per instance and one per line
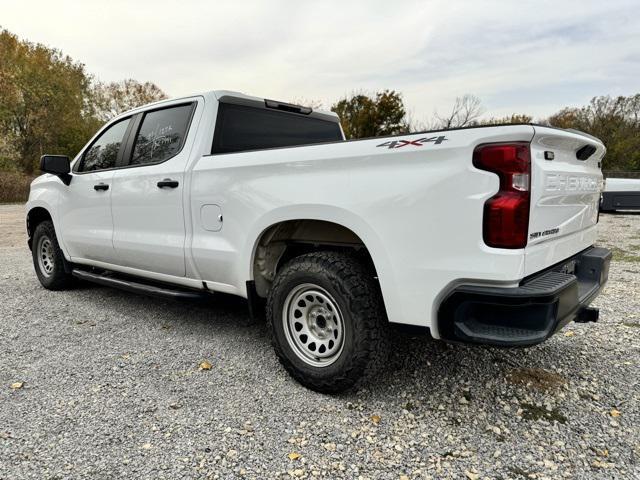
(482, 235)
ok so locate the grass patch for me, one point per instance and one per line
(534, 412)
(621, 255)
(14, 187)
(537, 378)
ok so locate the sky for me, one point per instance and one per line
(517, 56)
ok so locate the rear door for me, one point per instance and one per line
(147, 198)
(566, 182)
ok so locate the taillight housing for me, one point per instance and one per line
(506, 215)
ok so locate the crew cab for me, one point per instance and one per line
(481, 235)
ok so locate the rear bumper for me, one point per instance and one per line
(530, 313)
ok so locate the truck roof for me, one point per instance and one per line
(230, 96)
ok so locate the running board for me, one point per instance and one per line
(138, 287)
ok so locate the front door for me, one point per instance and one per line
(85, 205)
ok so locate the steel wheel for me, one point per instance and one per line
(46, 260)
(313, 325)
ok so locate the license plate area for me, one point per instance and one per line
(567, 267)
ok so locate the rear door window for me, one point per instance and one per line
(161, 134)
(241, 128)
(103, 152)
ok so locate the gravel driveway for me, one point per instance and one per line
(98, 383)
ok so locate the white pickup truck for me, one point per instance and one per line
(620, 194)
(482, 235)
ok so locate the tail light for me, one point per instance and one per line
(506, 214)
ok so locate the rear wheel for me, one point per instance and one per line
(48, 259)
(328, 322)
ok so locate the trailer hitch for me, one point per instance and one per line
(587, 315)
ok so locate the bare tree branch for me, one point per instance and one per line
(465, 112)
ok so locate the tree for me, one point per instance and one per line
(113, 98)
(465, 112)
(43, 100)
(513, 118)
(615, 121)
(364, 116)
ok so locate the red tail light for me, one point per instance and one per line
(506, 214)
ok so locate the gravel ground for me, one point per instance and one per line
(110, 386)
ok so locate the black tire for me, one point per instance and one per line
(364, 338)
(50, 267)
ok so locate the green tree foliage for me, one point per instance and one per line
(50, 104)
(43, 100)
(615, 121)
(364, 116)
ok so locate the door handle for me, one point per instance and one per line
(167, 182)
(101, 186)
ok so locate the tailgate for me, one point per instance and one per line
(566, 182)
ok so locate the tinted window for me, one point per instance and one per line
(240, 128)
(161, 134)
(103, 152)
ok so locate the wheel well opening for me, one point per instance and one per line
(35, 217)
(286, 240)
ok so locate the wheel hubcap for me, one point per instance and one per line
(313, 325)
(45, 256)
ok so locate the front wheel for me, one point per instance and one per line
(328, 322)
(48, 259)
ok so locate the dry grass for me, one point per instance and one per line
(536, 378)
(14, 187)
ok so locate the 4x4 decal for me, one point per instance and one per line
(416, 143)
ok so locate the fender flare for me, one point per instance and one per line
(327, 213)
(34, 204)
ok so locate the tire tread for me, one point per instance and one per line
(364, 302)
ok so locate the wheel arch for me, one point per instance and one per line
(341, 229)
(35, 216)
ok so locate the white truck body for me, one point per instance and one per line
(621, 194)
(622, 185)
(414, 202)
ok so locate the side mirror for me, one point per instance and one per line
(55, 164)
(58, 165)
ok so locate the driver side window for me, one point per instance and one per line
(103, 152)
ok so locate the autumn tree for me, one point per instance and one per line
(43, 101)
(615, 121)
(513, 118)
(111, 99)
(363, 115)
(49, 104)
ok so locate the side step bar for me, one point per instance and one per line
(138, 287)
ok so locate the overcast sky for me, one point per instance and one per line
(517, 56)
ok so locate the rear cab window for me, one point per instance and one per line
(243, 128)
(161, 134)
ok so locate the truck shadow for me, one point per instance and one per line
(418, 368)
